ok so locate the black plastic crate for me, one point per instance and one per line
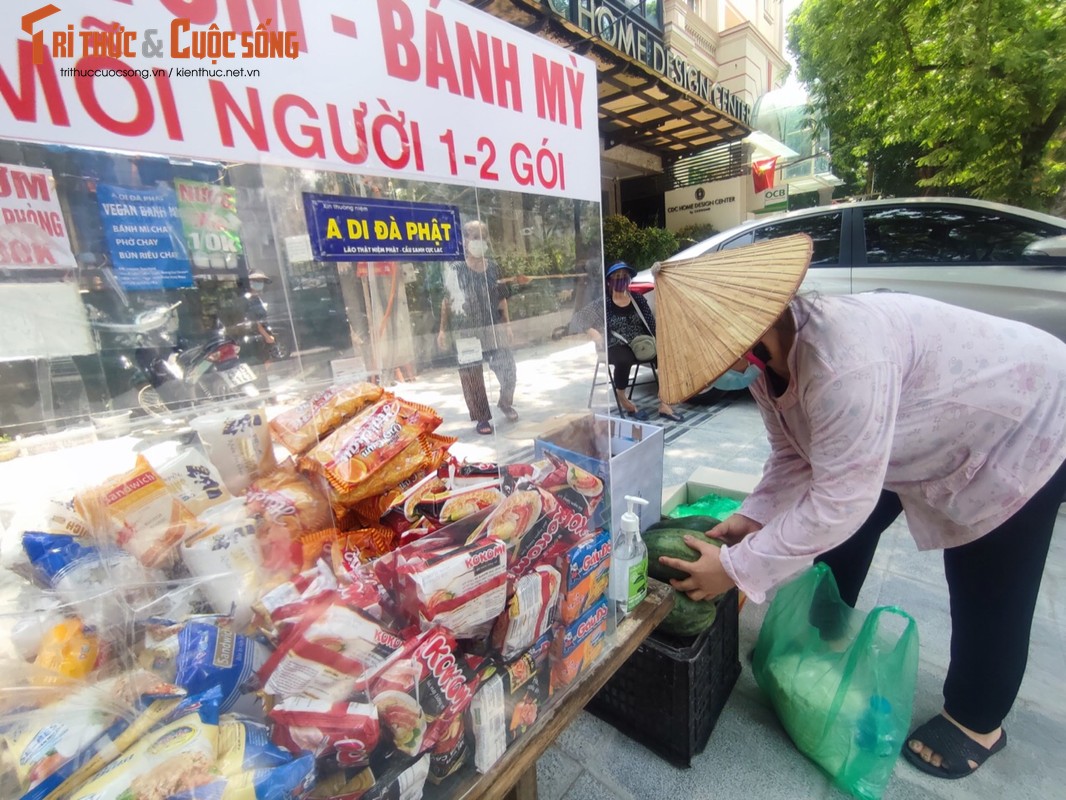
(670, 692)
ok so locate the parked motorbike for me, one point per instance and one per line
(188, 375)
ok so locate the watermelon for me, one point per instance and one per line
(699, 524)
(689, 617)
(671, 542)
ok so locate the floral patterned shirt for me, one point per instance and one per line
(962, 414)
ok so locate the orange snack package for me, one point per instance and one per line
(302, 427)
(287, 498)
(375, 507)
(136, 511)
(354, 453)
(351, 549)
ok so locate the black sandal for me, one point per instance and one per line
(954, 747)
(484, 427)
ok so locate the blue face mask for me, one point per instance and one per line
(733, 381)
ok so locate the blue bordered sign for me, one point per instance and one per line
(365, 229)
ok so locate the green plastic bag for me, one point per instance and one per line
(841, 681)
(710, 505)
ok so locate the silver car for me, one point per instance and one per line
(999, 259)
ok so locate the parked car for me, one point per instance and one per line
(990, 257)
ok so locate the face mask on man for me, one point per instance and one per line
(477, 248)
(258, 286)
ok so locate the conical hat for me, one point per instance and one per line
(711, 309)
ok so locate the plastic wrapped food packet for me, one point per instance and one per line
(349, 550)
(353, 453)
(226, 555)
(422, 690)
(202, 653)
(105, 586)
(174, 758)
(530, 613)
(136, 511)
(69, 649)
(64, 737)
(330, 654)
(288, 499)
(348, 731)
(192, 478)
(244, 745)
(288, 603)
(303, 426)
(290, 781)
(238, 444)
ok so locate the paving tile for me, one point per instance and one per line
(587, 787)
(556, 773)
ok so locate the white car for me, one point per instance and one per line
(990, 257)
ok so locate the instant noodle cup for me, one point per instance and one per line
(303, 426)
(238, 444)
(136, 511)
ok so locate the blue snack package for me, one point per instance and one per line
(209, 655)
(287, 782)
(245, 745)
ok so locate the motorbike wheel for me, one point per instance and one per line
(152, 404)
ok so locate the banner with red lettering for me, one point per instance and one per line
(762, 174)
(32, 230)
(431, 90)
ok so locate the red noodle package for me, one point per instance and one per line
(422, 690)
(332, 653)
(349, 730)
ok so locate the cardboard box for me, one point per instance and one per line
(577, 646)
(706, 480)
(626, 455)
(585, 570)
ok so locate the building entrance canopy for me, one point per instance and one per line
(649, 96)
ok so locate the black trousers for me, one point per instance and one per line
(620, 356)
(993, 584)
(472, 378)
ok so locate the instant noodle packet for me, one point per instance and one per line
(422, 690)
(244, 745)
(288, 499)
(349, 550)
(333, 652)
(530, 613)
(303, 426)
(350, 731)
(173, 759)
(136, 511)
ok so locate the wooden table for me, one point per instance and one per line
(514, 776)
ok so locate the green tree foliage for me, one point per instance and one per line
(958, 96)
(638, 247)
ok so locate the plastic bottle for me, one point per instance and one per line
(629, 563)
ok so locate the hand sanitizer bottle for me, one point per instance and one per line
(629, 563)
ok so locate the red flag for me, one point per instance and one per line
(762, 173)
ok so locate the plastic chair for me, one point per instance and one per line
(601, 360)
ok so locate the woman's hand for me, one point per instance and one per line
(707, 577)
(734, 529)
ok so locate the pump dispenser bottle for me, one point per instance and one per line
(629, 563)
